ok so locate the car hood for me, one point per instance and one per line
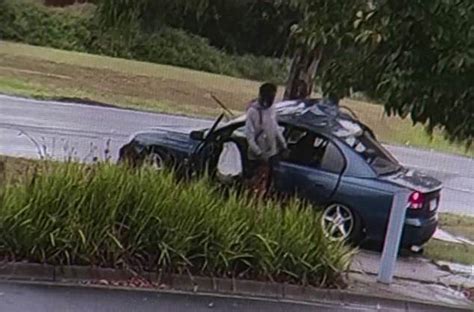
(414, 180)
(176, 137)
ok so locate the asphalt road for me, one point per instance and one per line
(84, 132)
(43, 298)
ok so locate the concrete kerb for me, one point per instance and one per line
(220, 286)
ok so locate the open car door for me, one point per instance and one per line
(204, 153)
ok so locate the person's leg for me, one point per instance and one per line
(251, 170)
(272, 162)
(254, 175)
(264, 178)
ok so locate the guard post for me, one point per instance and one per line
(393, 237)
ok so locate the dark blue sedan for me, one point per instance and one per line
(335, 162)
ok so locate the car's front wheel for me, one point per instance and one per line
(156, 160)
(340, 223)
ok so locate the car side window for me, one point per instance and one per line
(312, 150)
(333, 160)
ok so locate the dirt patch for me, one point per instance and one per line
(32, 72)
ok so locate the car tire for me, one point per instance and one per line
(158, 160)
(129, 156)
(340, 223)
(154, 158)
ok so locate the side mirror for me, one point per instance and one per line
(197, 135)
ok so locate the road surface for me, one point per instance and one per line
(42, 298)
(84, 132)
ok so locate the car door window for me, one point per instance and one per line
(332, 161)
(312, 150)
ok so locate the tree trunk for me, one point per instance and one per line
(302, 73)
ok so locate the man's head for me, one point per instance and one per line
(267, 94)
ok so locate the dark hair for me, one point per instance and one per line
(267, 89)
(267, 94)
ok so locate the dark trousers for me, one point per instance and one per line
(260, 175)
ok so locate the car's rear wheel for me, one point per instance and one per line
(340, 223)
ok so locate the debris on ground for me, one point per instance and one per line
(133, 282)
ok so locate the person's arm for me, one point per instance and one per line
(281, 140)
(279, 135)
(250, 131)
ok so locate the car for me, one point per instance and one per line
(334, 162)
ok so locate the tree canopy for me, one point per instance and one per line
(422, 63)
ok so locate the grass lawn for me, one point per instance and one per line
(444, 251)
(458, 225)
(48, 73)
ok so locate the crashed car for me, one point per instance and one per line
(335, 162)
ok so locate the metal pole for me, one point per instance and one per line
(393, 237)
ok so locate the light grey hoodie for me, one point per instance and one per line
(261, 129)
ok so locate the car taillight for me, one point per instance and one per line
(416, 200)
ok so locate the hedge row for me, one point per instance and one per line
(110, 216)
(77, 28)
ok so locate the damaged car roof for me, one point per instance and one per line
(314, 113)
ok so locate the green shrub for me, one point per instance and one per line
(109, 216)
(78, 29)
(256, 67)
(176, 47)
(33, 23)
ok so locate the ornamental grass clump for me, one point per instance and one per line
(112, 216)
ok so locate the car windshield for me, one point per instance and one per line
(381, 161)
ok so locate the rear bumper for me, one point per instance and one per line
(417, 232)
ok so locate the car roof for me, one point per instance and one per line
(316, 115)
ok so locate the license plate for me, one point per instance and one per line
(433, 204)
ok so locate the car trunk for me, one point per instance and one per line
(429, 190)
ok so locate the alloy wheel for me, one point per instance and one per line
(338, 222)
(155, 161)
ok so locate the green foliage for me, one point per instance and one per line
(422, 62)
(328, 26)
(237, 26)
(417, 57)
(110, 216)
(31, 22)
(80, 30)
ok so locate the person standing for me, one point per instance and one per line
(265, 141)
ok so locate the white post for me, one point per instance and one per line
(393, 237)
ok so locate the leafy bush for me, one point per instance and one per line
(176, 47)
(33, 23)
(256, 67)
(78, 29)
(110, 216)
